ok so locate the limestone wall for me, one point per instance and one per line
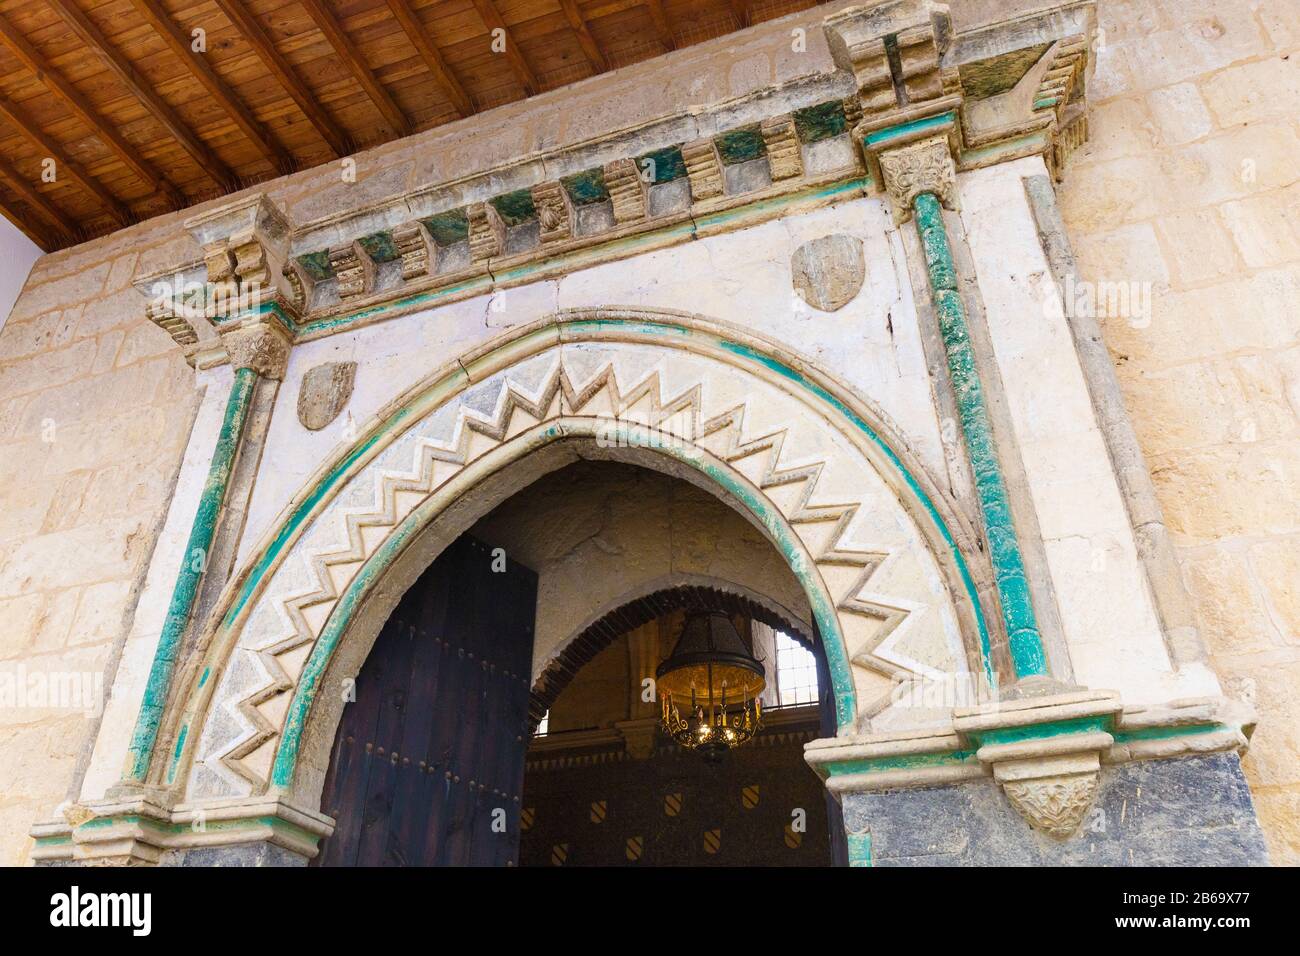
(1191, 182)
(95, 410)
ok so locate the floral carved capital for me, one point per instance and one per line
(920, 167)
(261, 347)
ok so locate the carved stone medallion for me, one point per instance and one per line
(324, 393)
(829, 272)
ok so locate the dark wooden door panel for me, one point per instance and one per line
(430, 754)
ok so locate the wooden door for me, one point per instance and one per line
(428, 761)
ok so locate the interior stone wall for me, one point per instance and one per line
(1191, 182)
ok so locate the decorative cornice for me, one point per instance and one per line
(663, 182)
(137, 830)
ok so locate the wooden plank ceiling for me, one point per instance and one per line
(112, 111)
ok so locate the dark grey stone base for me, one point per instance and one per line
(1186, 811)
(241, 854)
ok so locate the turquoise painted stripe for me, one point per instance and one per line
(186, 589)
(962, 569)
(1045, 731)
(860, 849)
(900, 762)
(1026, 644)
(907, 129)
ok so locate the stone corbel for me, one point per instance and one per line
(703, 169)
(627, 191)
(245, 251)
(487, 233)
(784, 154)
(554, 212)
(354, 269)
(1045, 753)
(416, 249)
(916, 33)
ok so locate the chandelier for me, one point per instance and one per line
(709, 687)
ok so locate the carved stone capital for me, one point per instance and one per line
(261, 346)
(925, 166)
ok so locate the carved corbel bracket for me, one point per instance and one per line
(245, 252)
(417, 250)
(783, 151)
(554, 212)
(627, 190)
(487, 233)
(1045, 752)
(894, 49)
(353, 268)
(703, 169)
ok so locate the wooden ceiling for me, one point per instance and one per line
(110, 113)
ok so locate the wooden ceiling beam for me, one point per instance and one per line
(179, 42)
(32, 58)
(39, 203)
(740, 10)
(659, 14)
(491, 18)
(329, 25)
(39, 236)
(432, 56)
(585, 38)
(250, 30)
(63, 162)
(94, 40)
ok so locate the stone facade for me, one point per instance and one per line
(1189, 184)
(107, 429)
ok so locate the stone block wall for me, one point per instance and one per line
(1191, 182)
(95, 411)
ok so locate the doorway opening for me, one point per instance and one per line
(551, 612)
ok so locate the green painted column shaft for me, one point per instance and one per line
(1026, 643)
(186, 589)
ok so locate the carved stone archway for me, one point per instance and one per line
(822, 475)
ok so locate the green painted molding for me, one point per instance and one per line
(1026, 643)
(860, 849)
(186, 590)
